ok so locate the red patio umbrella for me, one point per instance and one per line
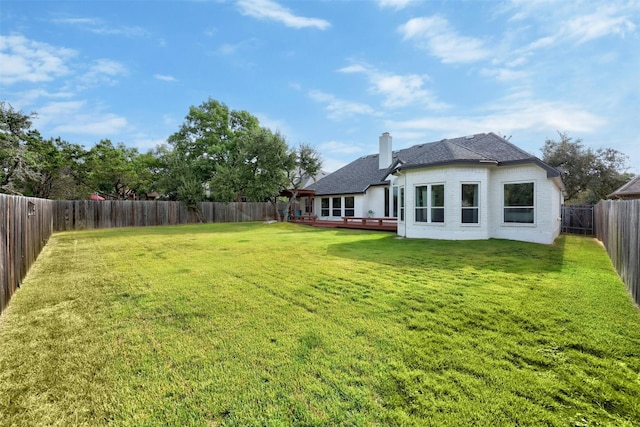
(95, 196)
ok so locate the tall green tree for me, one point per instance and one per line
(208, 137)
(255, 169)
(112, 170)
(588, 175)
(15, 166)
(56, 168)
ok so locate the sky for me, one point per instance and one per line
(334, 74)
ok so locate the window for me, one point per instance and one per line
(470, 213)
(401, 203)
(437, 203)
(386, 202)
(337, 207)
(430, 203)
(395, 202)
(421, 204)
(518, 203)
(324, 206)
(349, 206)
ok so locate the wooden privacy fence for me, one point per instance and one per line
(618, 228)
(25, 226)
(89, 214)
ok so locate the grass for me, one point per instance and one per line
(253, 324)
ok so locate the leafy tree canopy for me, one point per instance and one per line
(14, 161)
(209, 135)
(588, 175)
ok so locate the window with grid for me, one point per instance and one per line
(336, 209)
(429, 203)
(349, 206)
(324, 206)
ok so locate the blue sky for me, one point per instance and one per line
(334, 74)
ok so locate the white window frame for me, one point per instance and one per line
(429, 206)
(533, 207)
(477, 207)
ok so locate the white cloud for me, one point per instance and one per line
(435, 35)
(164, 78)
(339, 147)
(25, 60)
(511, 114)
(98, 26)
(395, 4)
(108, 124)
(340, 109)
(270, 10)
(144, 143)
(275, 125)
(398, 90)
(332, 164)
(606, 21)
(102, 72)
(505, 74)
(77, 117)
(232, 48)
(353, 68)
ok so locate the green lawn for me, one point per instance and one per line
(254, 324)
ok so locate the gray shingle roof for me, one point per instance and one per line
(629, 190)
(483, 148)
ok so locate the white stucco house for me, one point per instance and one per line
(468, 188)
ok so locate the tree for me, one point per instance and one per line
(255, 169)
(14, 162)
(588, 175)
(56, 168)
(112, 170)
(208, 137)
(303, 163)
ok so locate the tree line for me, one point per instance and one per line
(223, 155)
(217, 154)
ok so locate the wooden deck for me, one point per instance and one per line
(362, 223)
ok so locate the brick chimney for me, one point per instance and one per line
(386, 151)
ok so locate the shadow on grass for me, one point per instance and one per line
(495, 255)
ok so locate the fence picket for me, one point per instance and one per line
(25, 227)
(618, 228)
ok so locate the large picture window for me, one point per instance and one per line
(470, 211)
(519, 203)
(349, 206)
(336, 209)
(429, 203)
(324, 206)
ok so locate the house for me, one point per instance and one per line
(631, 190)
(473, 187)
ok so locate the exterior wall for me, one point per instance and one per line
(452, 228)
(491, 180)
(373, 201)
(359, 206)
(547, 202)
